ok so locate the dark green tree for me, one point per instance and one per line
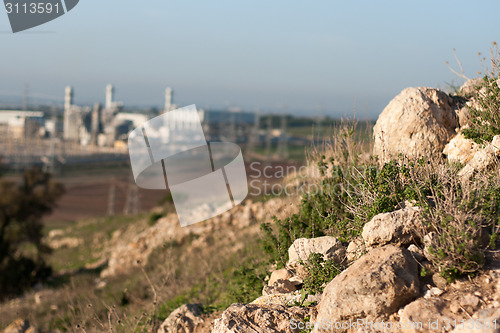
(22, 205)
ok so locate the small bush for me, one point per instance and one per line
(319, 273)
(485, 113)
(154, 217)
(485, 123)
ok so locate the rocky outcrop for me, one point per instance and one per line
(253, 318)
(378, 283)
(279, 287)
(483, 160)
(425, 315)
(329, 247)
(289, 299)
(355, 249)
(20, 326)
(470, 87)
(133, 251)
(400, 227)
(184, 319)
(484, 321)
(460, 149)
(418, 122)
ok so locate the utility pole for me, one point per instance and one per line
(283, 144)
(111, 198)
(268, 137)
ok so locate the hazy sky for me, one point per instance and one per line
(274, 55)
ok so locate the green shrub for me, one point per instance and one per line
(485, 116)
(319, 273)
(154, 217)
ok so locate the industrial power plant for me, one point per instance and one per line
(81, 134)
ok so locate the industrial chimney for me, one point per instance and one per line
(110, 90)
(168, 99)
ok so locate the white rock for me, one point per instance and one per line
(183, 319)
(483, 159)
(378, 283)
(460, 149)
(254, 318)
(399, 227)
(301, 249)
(418, 122)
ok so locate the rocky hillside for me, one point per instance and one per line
(406, 240)
(403, 272)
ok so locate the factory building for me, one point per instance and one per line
(22, 124)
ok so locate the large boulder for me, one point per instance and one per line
(376, 285)
(460, 149)
(253, 318)
(418, 122)
(329, 247)
(183, 319)
(400, 227)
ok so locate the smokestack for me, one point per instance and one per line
(68, 98)
(95, 124)
(68, 102)
(168, 99)
(110, 90)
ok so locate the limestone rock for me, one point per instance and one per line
(280, 287)
(183, 319)
(330, 247)
(418, 122)
(416, 252)
(20, 326)
(483, 159)
(424, 314)
(399, 227)
(289, 299)
(378, 283)
(484, 321)
(470, 87)
(253, 318)
(460, 149)
(355, 249)
(280, 274)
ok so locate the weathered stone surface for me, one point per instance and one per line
(330, 247)
(378, 283)
(484, 321)
(419, 315)
(132, 247)
(289, 299)
(470, 87)
(20, 326)
(253, 318)
(280, 287)
(399, 227)
(355, 249)
(183, 319)
(460, 149)
(416, 252)
(483, 159)
(418, 122)
(280, 274)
